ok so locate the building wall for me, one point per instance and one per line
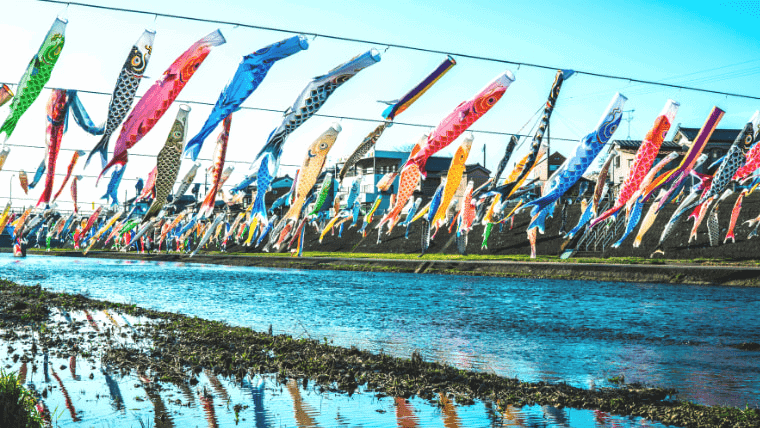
(477, 176)
(621, 167)
(543, 170)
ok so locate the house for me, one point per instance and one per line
(475, 173)
(544, 169)
(279, 186)
(377, 163)
(626, 154)
(717, 146)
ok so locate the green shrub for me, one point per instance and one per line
(17, 406)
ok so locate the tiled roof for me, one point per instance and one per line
(557, 157)
(635, 144)
(284, 181)
(718, 136)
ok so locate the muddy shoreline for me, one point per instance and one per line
(181, 347)
(683, 273)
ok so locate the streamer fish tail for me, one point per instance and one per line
(754, 222)
(698, 215)
(585, 217)
(734, 217)
(633, 221)
(425, 236)
(712, 227)
(646, 224)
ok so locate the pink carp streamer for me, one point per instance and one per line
(56, 124)
(734, 216)
(160, 97)
(74, 192)
(645, 157)
(695, 150)
(466, 113)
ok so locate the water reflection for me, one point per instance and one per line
(405, 417)
(582, 333)
(99, 396)
(302, 412)
(450, 417)
(257, 393)
(207, 402)
(113, 389)
(67, 398)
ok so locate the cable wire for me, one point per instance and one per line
(396, 45)
(330, 116)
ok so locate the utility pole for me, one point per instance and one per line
(484, 156)
(548, 154)
(629, 118)
(10, 190)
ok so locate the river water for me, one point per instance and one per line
(580, 332)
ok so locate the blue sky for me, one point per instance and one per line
(705, 45)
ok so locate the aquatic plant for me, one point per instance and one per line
(17, 405)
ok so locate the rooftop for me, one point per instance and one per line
(718, 136)
(468, 169)
(635, 144)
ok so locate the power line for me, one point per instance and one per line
(131, 154)
(330, 116)
(396, 45)
(63, 175)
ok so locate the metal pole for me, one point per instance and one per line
(484, 157)
(548, 142)
(374, 174)
(629, 119)
(10, 188)
(548, 152)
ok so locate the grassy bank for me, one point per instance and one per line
(624, 269)
(512, 258)
(701, 261)
(181, 347)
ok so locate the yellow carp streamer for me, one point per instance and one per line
(646, 224)
(453, 178)
(312, 166)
